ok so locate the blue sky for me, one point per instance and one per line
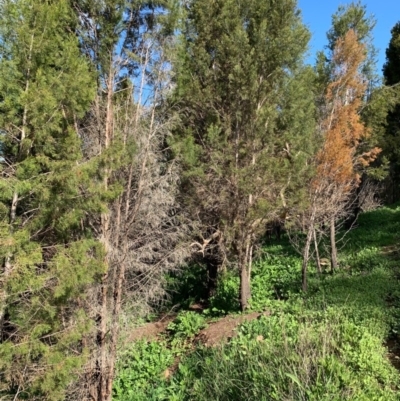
(317, 16)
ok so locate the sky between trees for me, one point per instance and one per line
(317, 16)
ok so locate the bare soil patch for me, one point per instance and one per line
(149, 331)
(216, 333)
(393, 347)
(224, 329)
(392, 251)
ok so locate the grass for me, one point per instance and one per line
(327, 344)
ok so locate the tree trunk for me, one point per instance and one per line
(105, 373)
(212, 269)
(118, 288)
(333, 245)
(306, 252)
(245, 262)
(245, 291)
(306, 256)
(317, 258)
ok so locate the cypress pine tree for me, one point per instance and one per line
(390, 98)
(246, 119)
(350, 16)
(340, 160)
(47, 191)
(390, 69)
(354, 16)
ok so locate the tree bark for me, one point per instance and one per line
(212, 269)
(306, 257)
(333, 245)
(245, 262)
(245, 291)
(105, 373)
(306, 251)
(317, 258)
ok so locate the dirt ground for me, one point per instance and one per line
(224, 329)
(214, 334)
(149, 331)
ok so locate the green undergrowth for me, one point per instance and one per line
(328, 344)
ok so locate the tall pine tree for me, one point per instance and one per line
(353, 17)
(246, 114)
(49, 256)
(391, 99)
(339, 161)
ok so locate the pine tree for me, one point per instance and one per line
(246, 117)
(344, 130)
(50, 256)
(352, 16)
(391, 95)
(390, 69)
(339, 161)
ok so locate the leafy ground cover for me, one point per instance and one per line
(328, 344)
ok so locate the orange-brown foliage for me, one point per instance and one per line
(343, 128)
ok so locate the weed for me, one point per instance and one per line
(187, 324)
(140, 371)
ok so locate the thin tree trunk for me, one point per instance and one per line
(7, 269)
(333, 245)
(117, 296)
(245, 292)
(306, 257)
(250, 263)
(212, 269)
(13, 214)
(245, 262)
(317, 258)
(105, 373)
(306, 251)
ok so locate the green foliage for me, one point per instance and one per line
(186, 324)
(354, 16)
(140, 372)
(293, 354)
(390, 141)
(390, 69)
(225, 299)
(274, 277)
(188, 286)
(47, 250)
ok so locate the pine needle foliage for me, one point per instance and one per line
(246, 112)
(48, 253)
